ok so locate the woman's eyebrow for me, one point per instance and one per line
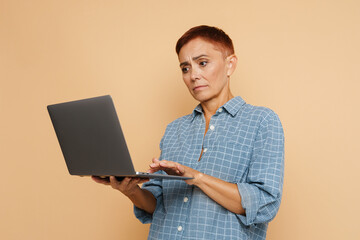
(194, 59)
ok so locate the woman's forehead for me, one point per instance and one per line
(197, 47)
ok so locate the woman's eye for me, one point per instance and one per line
(203, 63)
(185, 69)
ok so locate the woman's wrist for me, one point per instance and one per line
(134, 193)
(199, 179)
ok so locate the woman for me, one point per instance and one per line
(233, 151)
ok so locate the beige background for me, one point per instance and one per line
(300, 58)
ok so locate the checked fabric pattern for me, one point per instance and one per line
(243, 145)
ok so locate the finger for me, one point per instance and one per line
(155, 163)
(155, 160)
(137, 181)
(120, 185)
(180, 168)
(100, 180)
(154, 168)
(113, 182)
(126, 181)
(141, 180)
(113, 179)
(96, 179)
(133, 182)
(168, 165)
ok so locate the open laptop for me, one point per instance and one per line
(92, 141)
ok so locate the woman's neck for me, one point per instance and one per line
(210, 107)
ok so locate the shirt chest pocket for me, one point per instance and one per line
(226, 160)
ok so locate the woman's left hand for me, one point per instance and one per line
(222, 192)
(173, 168)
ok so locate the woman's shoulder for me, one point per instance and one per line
(176, 128)
(261, 111)
(184, 120)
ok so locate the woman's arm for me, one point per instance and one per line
(141, 198)
(224, 193)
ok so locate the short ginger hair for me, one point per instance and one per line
(213, 35)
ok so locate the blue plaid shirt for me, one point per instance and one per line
(244, 145)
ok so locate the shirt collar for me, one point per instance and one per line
(232, 107)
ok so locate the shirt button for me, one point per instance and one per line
(205, 150)
(220, 110)
(212, 127)
(186, 199)
(179, 228)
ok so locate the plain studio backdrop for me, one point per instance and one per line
(300, 58)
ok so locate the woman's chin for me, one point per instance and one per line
(201, 97)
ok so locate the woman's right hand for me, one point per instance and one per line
(127, 186)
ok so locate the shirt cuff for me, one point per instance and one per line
(143, 216)
(250, 197)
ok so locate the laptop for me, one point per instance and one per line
(91, 139)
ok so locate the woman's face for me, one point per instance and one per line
(205, 70)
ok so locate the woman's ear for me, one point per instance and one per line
(231, 64)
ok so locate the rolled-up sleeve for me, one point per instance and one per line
(262, 191)
(153, 186)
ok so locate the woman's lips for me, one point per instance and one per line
(198, 88)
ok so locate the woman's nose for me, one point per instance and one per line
(195, 75)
